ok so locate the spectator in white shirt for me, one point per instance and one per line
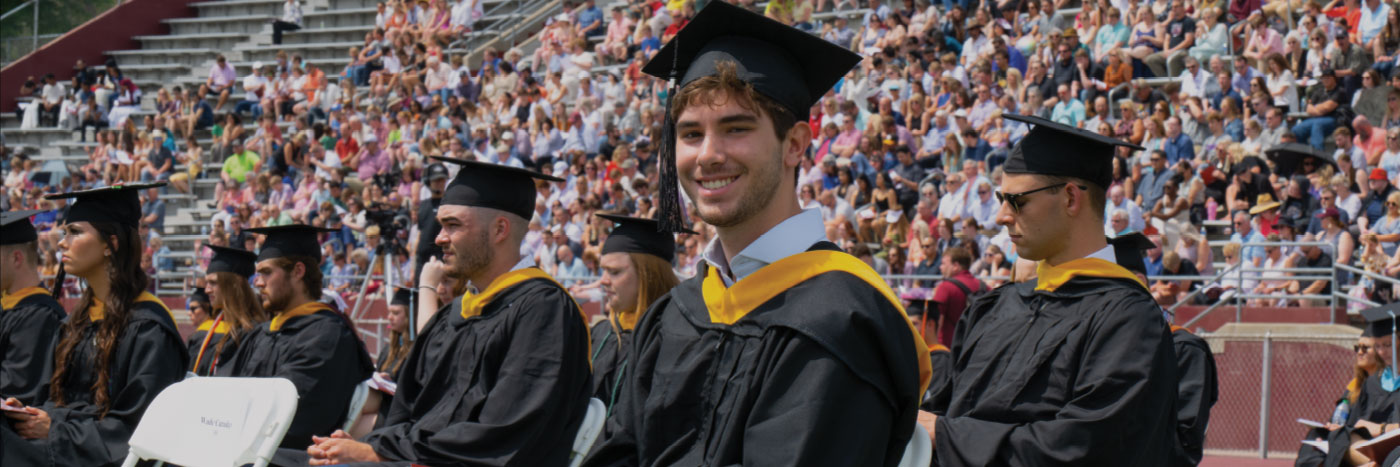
(254, 85)
(290, 20)
(1195, 79)
(1117, 199)
(52, 99)
(983, 207)
(950, 206)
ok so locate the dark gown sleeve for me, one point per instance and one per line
(80, 437)
(940, 385)
(1115, 387)
(28, 362)
(1196, 393)
(844, 421)
(545, 378)
(321, 362)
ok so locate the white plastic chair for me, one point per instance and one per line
(215, 422)
(588, 431)
(357, 403)
(919, 451)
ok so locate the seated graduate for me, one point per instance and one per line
(305, 341)
(1377, 406)
(636, 265)
(1367, 363)
(117, 350)
(1196, 381)
(1076, 367)
(784, 350)
(400, 344)
(236, 311)
(29, 316)
(499, 376)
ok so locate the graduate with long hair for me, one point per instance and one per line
(636, 266)
(235, 309)
(117, 350)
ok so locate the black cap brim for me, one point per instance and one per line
(1052, 148)
(402, 296)
(15, 227)
(790, 66)
(119, 204)
(1380, 320)
(639, 235)
(289, 241)
(234, 260)
(1128, 249)
(487, 185)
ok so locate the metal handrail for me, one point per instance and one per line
(17, 9)
(1198, 290)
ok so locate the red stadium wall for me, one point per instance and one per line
(112, 30)
(1226, 314)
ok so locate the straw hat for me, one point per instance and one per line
(1265, 203)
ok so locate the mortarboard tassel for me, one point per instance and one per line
(669, 218)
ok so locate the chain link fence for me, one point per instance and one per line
(1267, 382)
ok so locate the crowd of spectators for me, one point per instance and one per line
(908, 147)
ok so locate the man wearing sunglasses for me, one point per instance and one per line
(1075, 367)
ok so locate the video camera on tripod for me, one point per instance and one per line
(390, 221)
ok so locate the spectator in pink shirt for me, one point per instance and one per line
(849, 139)
(1263, 40)
(1369, 140)
(221, 78)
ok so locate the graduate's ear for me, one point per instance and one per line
(795, 144)
(298, 272)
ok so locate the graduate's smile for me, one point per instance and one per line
(715, 186)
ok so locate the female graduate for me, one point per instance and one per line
(636, 266)
(117, 350)
(236, 309)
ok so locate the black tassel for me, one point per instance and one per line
(669, 216)
(58, 282)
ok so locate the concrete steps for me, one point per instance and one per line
(216, 41)
(189, 57)
(239, 8)
(247, 25)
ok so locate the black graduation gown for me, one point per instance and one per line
(1196, 393)
(322, 357)
(609, 356)
(28, 333)
(1374, 404)
(148, 356)
(508, 386)
(1083, 375)
(940, 385)
(1309, 456)
(826, 372)
(200, 365)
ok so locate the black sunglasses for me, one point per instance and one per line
(1360, 348)
(1017, 200)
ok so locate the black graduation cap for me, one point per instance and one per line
(199, 296)
(1380, 320)
(1051, 148)
(402, 296)
(1129, 248)
(916, 308)
(638, 235)
(784, 63)
(487, 185)
(15, 227)
(234, 260)
(120, 204)
(42, 178)
(289, 240)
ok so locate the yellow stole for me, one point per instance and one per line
(98, 310)
(11, 300)
(727, 305)
(300, 310)
(473, 303)
(1049, 278)
(208, 324)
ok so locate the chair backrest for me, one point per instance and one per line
(357, 403)
(919, 451)
(588, 431)
(215, 421)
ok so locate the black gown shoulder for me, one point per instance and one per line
(28, 333)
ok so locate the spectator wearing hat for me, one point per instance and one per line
(1326, 104)
(1349, 61)
(1265, 211)
(1373, 207)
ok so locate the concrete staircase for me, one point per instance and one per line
(241, 30)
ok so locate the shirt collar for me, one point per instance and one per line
(1106, 254)
(792, 236)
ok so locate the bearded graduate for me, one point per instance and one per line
(1077, 366)
(116, 351)
(236, 310)
(499, 376)
(784, 350)
(305, 341)
(637, 271)
(29, 316)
